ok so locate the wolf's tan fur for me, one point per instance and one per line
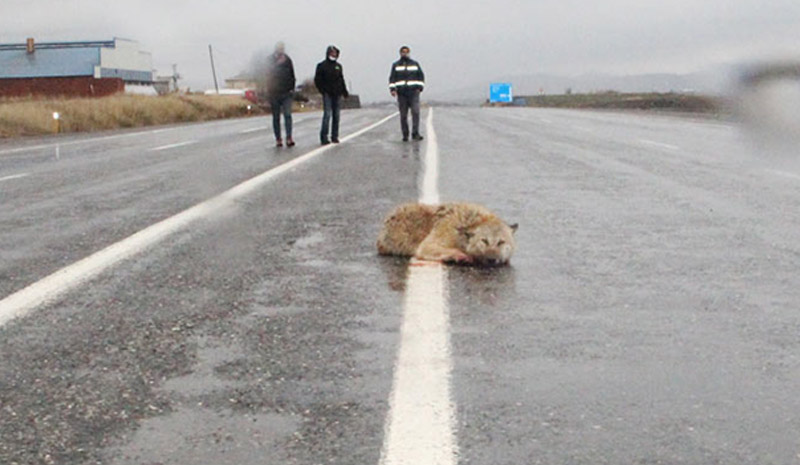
(451, 232)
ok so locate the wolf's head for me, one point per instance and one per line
(490, 243)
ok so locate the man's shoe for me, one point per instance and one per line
(335, 140)
(417, 137)
(324, 142)
(278, 143)
(405, 138)
(289, 142)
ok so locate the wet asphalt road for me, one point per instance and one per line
(649, 315)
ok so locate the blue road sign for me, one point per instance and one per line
(500, 92)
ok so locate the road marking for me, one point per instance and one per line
(295, 120)
(430, 191)
(83, 141)
(530, 118)
(659, 144)
(784, 174)
(115, 136)
(172, 146)
(51, 287)
(420, 427)
(14, 176)
(247, 131)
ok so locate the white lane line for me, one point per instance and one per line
(430, 190)
(784, 174)
(659, 144)
(116, 136)
(247, 131)
(14, 176)
(51, 287)
(529, 118)
(83, 141)
(420, 426)
(295, 120)
(172, 146)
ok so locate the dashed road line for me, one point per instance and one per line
(14, 176)
(784, 174)
(268, 129)
(55, 285)
(247, 131)
(420, 426)
(659, 144)
(34, 148)
(172, 146)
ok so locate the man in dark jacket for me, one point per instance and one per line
(406, 81)
(329, 80)
(280, 89)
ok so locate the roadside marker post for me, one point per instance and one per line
(56, 122)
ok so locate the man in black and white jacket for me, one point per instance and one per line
(406, 81)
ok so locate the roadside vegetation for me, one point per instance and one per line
(688, 103)
(24, 117)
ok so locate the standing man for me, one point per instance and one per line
(406, 81)
(329, 80)
(280, 90)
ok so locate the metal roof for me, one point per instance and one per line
(70, 59)
(48, 62)
(59, 45)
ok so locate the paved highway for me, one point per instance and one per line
(189, 298)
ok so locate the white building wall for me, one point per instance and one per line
(127, 56)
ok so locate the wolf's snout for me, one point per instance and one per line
(492, 262)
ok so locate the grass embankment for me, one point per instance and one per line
(645, 101)
(23, 117)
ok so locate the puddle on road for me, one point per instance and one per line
(316, 263)
(201, 437)
(202, 379)
(493, 287)
(306, 250)
(308, 241)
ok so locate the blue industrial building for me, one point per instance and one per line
(92, 68)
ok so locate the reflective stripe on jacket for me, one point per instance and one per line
(406, 74)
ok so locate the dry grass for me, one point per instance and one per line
(631, 101)
(22, 117)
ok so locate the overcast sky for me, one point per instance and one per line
(459, 43)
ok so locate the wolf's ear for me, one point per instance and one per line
(514, 227)
(466, 232)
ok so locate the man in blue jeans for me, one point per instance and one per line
(280, 90)
(329, 79)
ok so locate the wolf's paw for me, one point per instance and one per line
(457, 257)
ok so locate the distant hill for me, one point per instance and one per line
(711, 83)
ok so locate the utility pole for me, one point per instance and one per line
(175, 77)
(213, 71)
